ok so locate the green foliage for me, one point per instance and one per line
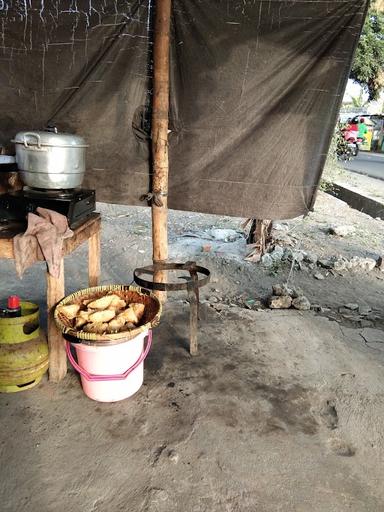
(368, 65)
(359, 102)
(332, 168)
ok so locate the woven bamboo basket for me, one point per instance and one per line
(130, 294)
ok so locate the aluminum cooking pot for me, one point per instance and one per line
(50, 160)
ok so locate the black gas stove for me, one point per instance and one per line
(75, 204)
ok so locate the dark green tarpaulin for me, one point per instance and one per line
(255, 91)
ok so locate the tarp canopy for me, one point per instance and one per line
(255, 91)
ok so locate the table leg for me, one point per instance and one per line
(94, 259)
(57, 355)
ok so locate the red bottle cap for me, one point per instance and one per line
(13, 302)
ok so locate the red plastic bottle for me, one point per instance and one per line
(13, 306)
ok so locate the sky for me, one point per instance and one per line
(353, 89)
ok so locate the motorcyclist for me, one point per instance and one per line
(362, 129)
(350, 131)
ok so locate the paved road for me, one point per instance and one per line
(371, 164)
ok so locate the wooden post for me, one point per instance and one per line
(94, 259)
(56, 344)
(160, 110)
(259, 238)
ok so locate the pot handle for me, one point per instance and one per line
(32, 134)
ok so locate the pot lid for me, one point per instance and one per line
(45, 138)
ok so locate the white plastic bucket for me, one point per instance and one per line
(111, 372)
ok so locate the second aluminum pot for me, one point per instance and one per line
(50, 160)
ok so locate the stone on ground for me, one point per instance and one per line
(342, 230)
(301, 303)
(280, 302)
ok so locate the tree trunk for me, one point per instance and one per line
(259, 238)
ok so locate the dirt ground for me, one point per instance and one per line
(360, 183)
(280, 411)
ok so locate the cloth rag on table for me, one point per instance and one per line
(43, 240)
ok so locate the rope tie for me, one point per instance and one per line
(154, 198)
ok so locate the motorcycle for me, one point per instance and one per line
(354, 145)
(348, 143)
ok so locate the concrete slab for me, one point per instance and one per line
(281, 411)
(358, 200)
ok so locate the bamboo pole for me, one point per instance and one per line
(160, 112)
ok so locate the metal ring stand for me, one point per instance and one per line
(191, 284)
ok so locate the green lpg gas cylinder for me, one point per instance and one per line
(23, 350)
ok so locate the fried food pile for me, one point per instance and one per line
(106, 315)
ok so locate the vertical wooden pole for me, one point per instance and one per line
(56, 343)
(259, 238)
(94, 259)
(160, 111)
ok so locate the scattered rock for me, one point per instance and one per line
(340, 264)
(344, 311)
(267, 260)
(296, 292)
(364, 310)
(319, 276)
(277, 254)
(281, 289)
(352, 306)
(325, 263)
(283, 238)
(279, 302)
(380, 263)
(225, 235)
(219, 307)
(372, 317)
(281, 227)
(252, 303)
(363, 263)
(213, 299)
(311, 258)
(301, 303)
(342, 230)
(173, 456)
(292, 255)
(351, 318)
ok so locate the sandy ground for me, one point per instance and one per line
(281, 410)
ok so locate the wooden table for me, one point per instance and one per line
(90, 231)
